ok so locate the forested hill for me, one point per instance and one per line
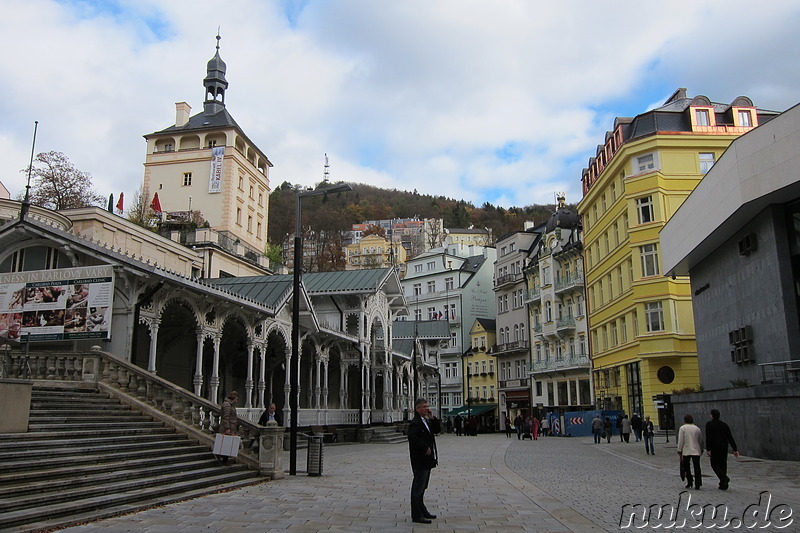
(339, 211)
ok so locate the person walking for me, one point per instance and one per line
(636, 425)
(271, 414)
(648, 433)
(535, 428)
(607, 428)
(228, 420)
(625, 428)
(618, 424)
(545, 426)
(508, 427)
(518, 422)
(597, 428)
(424, 458)
(690, 448)
(718, 436)
(449, 424)
(458, 423)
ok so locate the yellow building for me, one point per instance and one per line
(641, 328)
(480, 375)
(373, 251)
(207, 163)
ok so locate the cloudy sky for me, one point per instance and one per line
(501, 101)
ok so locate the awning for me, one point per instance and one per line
(475, 410)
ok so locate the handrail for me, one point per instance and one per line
(161, 398)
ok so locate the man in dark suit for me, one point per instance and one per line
(718, 436)
(422, 448)
(270, 414)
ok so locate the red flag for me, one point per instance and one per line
(119, 203)
(155, 205)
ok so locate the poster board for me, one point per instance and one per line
(59, 304)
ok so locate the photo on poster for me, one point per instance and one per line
(75, 320)
(97, 319)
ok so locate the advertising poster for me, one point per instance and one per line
(52, 305)
(215, 179)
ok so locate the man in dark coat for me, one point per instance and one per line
(422, 448)
(718, 436)
(458, 422)
(271, 413)
(636, 424)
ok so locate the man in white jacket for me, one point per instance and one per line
(690, 448)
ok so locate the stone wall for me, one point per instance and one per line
(763, 418)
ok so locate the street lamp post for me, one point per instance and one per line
(294, 371)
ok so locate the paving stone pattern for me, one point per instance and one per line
(487, 483)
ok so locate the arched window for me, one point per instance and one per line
(548, 311)
(35, 258)
(516, 332)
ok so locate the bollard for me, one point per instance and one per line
(314, 462)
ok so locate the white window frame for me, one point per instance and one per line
(645, 209)
(707, 160)
(654, 317)
(649, 255)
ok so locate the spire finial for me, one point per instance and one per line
(218, 37)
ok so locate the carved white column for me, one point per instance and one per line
(213, 391)
(198, 373)
(317, 384)
(343, 386)
(248, 384)
(261, 374)
(287, 387)
(151, 362)
(325, 383)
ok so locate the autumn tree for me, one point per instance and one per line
(140, 212)
(373, 229)
(57, 184)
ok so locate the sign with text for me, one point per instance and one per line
(60, 304)
(215, 179)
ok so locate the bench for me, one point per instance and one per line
(334, 431)
(326, 436)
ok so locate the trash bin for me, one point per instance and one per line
(314, 461)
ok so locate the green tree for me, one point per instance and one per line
(57, 184)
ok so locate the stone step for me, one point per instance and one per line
(43, 436)
(96, 425)
(46, 462)
(74, 470)
(92, 447)
(44, 446)
(93, 416)
(96, 507)
(113, 483)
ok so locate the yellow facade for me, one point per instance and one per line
(480, 366)
(373, 251)
(641, 326)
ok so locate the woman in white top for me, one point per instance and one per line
(690, 448)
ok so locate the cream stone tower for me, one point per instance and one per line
(206, 163)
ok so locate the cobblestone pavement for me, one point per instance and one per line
(485, 483)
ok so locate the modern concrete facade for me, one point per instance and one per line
(206, 163)
(642, 332)
(452, 284)
(738, 238)
(556, 300)
(513, 348)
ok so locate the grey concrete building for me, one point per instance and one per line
(738, 237)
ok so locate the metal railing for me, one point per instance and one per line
(568, 361)
(780, 372)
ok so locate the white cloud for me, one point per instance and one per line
(408, 95)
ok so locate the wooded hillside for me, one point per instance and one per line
(338, 212)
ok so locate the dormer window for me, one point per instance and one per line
(745, 118)
(701, 117)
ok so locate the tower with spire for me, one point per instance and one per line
(206, 163)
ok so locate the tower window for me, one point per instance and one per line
(187, 179)
(212, 143)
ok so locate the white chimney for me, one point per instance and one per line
(182, 112)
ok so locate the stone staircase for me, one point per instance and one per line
(387, 435)
(87, 456)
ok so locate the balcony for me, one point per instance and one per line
(571, 281)
(564, 363)
(515, 384)
(512, 346)
(533, 295)
(565, 323)
(508, 279)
